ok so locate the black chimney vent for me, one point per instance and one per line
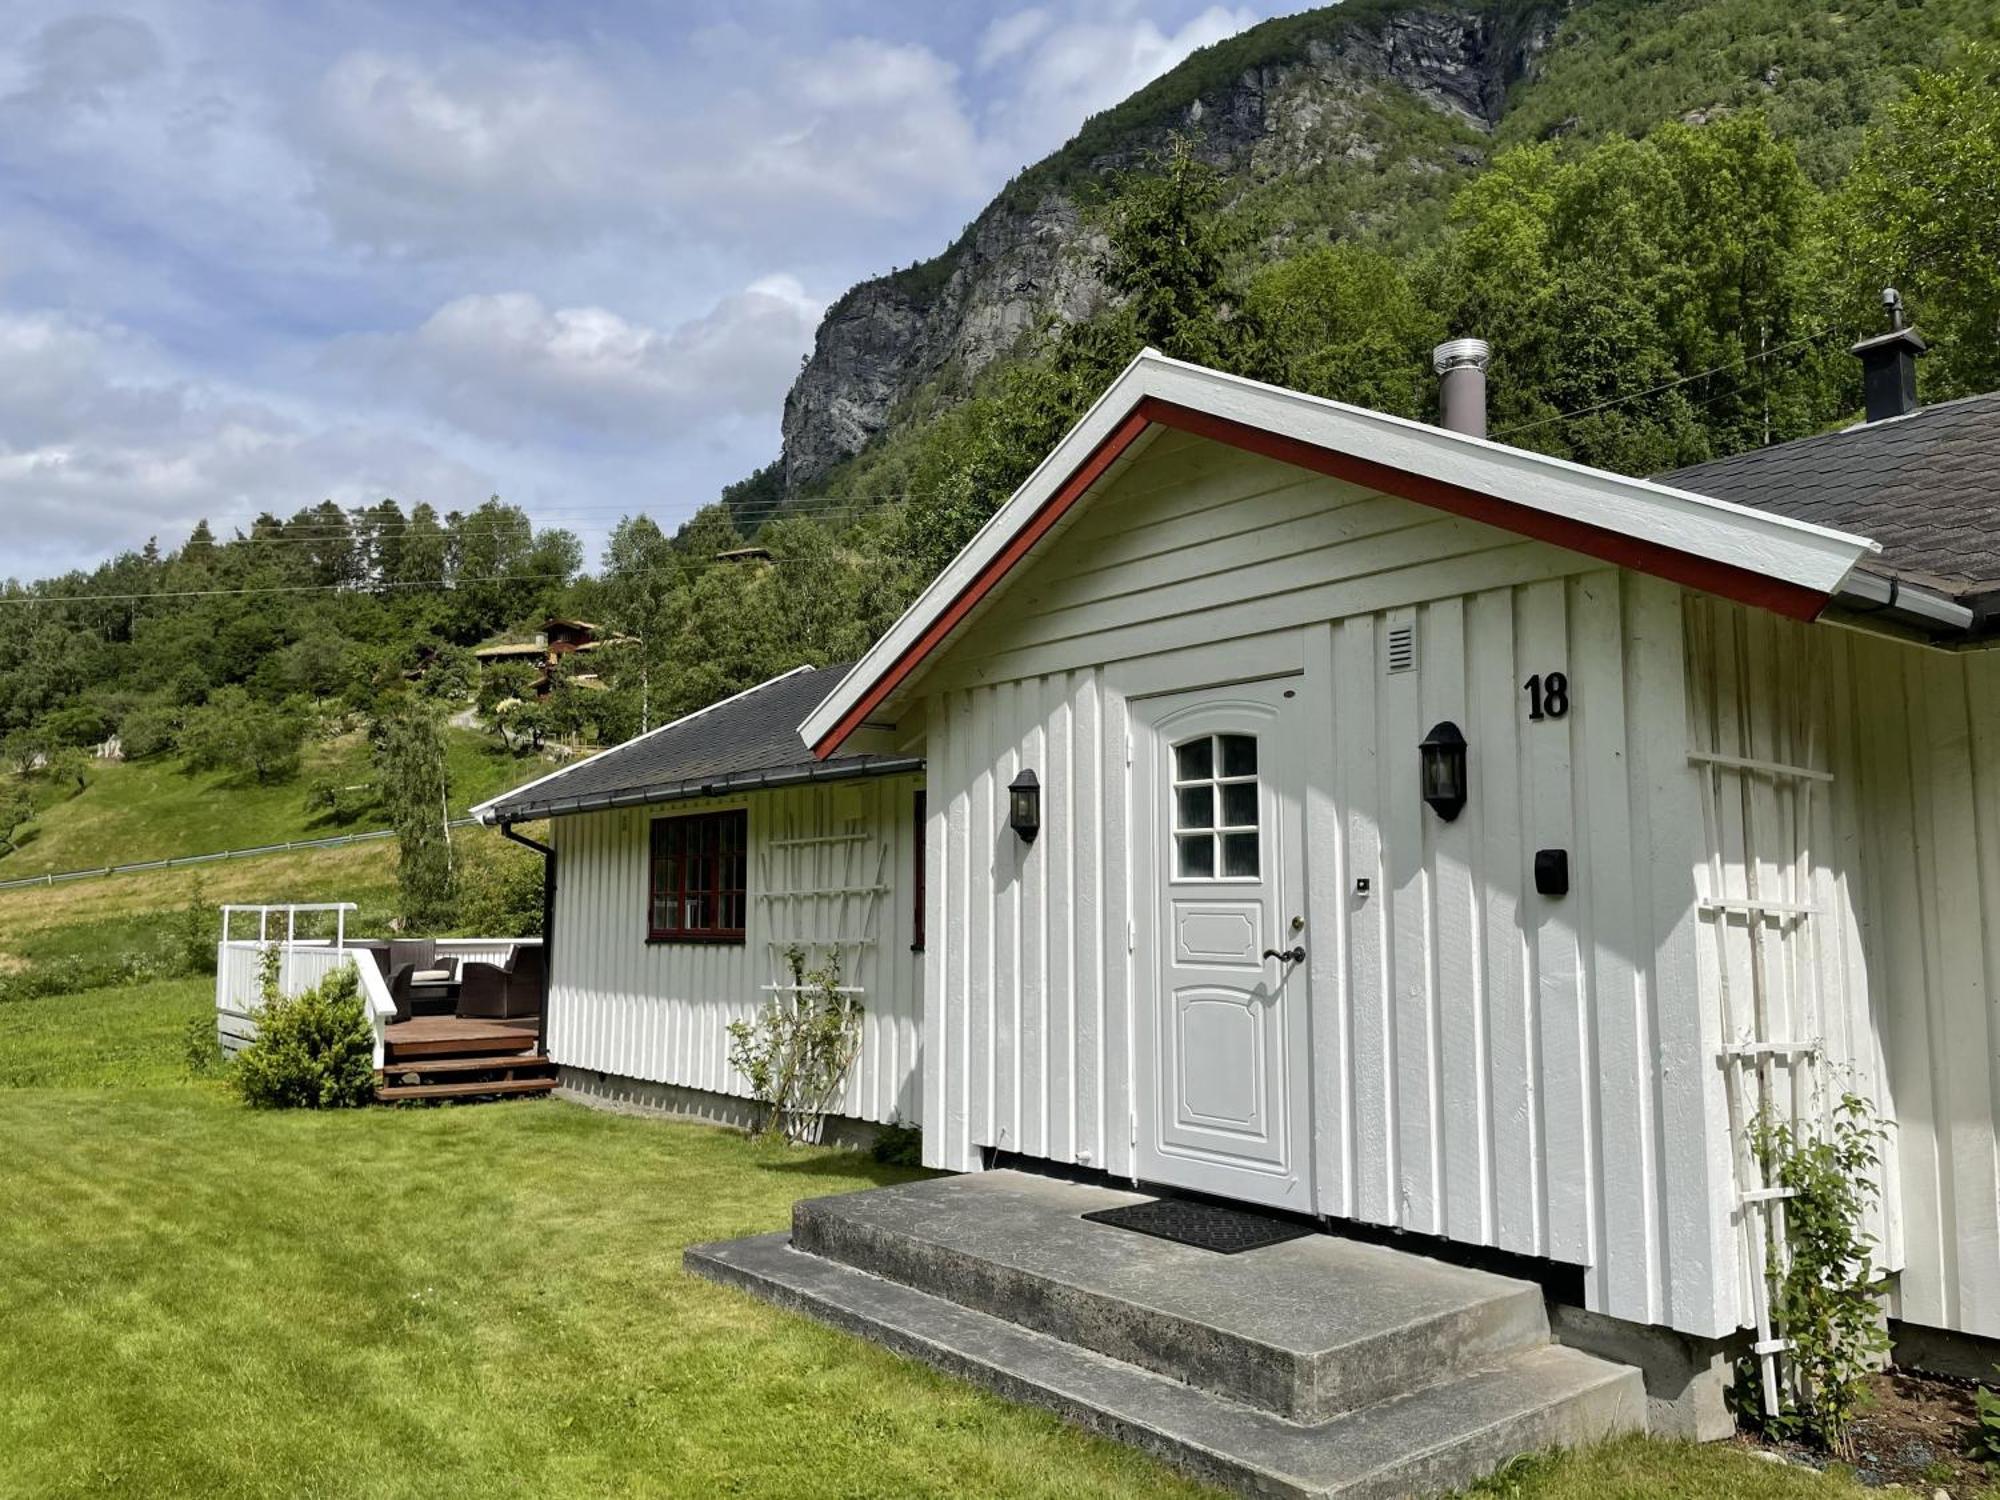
(1889, 364)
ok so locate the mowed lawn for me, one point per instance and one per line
(201, 1300)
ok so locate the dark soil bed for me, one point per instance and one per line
(1914, 1432)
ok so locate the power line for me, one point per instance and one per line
(1734, 364)
(446, 585)
(280, 588)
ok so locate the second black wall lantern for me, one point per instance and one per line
(1443, 760)
(1024, 806)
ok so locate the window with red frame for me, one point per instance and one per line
(696, 892)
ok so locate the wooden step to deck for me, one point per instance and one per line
(428, 1066)
(519, 1044)
(395, 1092)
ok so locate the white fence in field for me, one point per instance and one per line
(332, 841)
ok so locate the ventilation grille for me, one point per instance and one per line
(1402, 648)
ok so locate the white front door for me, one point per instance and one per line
(1219, 892)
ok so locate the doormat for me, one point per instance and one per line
(1206, 1226)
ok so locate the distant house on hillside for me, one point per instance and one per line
(556, 639)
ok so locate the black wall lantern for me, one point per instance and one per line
(1443, 755)
(1024, 806)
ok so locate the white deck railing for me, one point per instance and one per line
(305, 963)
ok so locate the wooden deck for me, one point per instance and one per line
(435, 1036)
(451, 1057)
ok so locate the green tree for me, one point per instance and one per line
(1168, 257)
(149, 729)
(409, 754)
(1344, 322)
(17, 809)
(1649, 302)
(641, 576)
(976, 456)
(1921, 212)
(234, 732)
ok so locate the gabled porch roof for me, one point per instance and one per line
(1788, 566)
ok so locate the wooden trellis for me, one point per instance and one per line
(1756, 745)
(823, 874)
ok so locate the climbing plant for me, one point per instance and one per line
(797, 1053)
(1825, 1293)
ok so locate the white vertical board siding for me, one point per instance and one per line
(1901, 978)
(660, 1011)
(1781, 956)
(1922, 731)
(1490, 1065)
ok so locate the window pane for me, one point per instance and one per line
(1239, 804)
(1194, 761)
(1239, 755)
(699, 875)
(1239, 854)
(1197, 856)
(1194, 807)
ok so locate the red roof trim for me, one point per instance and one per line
(1706, 574)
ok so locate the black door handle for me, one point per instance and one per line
(1294, 956)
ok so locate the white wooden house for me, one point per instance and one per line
(689, 861)
(1708, 822)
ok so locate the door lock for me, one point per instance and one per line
(1287, 955)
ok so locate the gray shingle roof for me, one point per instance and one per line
(1926, 486)
(747, 741)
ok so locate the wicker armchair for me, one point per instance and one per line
(497, 992)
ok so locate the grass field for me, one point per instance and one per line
(154, 809)
(138, 919)
(200, 1300)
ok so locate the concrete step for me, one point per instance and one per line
(1426, 1443)
(1307, 1329)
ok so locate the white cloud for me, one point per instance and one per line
(506, 365)
(1063, 73)
(1010, 35)
(413, 156)
(100, 447)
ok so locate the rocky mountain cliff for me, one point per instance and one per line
(1400, 95)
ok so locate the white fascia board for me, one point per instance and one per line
(1798, 552)
(485, 808)
(1812, 557)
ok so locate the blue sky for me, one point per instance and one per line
(256, 255)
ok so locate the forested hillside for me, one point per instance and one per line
(1669, 218)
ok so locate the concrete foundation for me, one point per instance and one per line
(1687, 1378)
(672, 1101)
(1944, 1351)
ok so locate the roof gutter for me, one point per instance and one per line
(737, 781)
(1872, 596)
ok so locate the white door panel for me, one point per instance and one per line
(1218, 891)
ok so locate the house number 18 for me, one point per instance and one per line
(1548, 695)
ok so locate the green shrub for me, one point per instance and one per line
(899, 1145)
(797, 1053)
(201, 1048)
(313, 1051)
(1825, 1291)
(1986, 1423)
(199, 931)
